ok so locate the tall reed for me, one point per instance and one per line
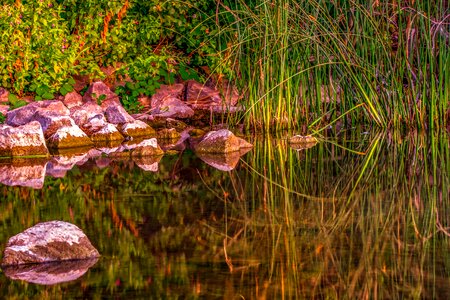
(304, 60)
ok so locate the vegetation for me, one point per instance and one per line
(297, 61)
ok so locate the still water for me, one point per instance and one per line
(362, 216)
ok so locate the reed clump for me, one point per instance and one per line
(378, 62)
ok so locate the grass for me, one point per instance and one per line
(304, 61)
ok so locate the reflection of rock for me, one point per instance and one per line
(299, 142)
(23, 140)
(138, 148)
(50, 273)
(223, 162)
(221, 141)
(24, 172)
(47, 242)
(148, 163)
(59, 165)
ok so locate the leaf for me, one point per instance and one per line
(48, 96)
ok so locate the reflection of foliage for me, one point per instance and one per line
(294, 231)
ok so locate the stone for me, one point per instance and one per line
(25, 114)
(136, 129)
(147, 147)
(227, 90)
(69, 137)
(51, 122)
(58, 166)
(299, 139)
(167, 91)
(50, 273)
(199, 94)
(72, 99)
(173, 108)
(107, 133)
(4, 109)
(4, 95)
(221, 141)
(48, 242)
(82, 114)
(168, 134)
(116, 114)
(145, 101)
(24, 172)
(24, 140)
(148, 163)
(99, 92)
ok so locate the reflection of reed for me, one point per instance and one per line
(369, 241)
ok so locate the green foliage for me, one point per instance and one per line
(15, 102)
(2, 118)
(45, 43)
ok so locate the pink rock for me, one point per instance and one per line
(99, 92)
(3, 95)
(107, 133)
(167, 91)
(69, 137)
(23, 140)
(116, 114)
(82, 114)
(72, 99)
(4, 109)
(28, 173)
(173, 108)
(197, 93)
(59, 165)
(135, 129)
(48, 242)
(25, 114)
(221, 141)
(51, 122)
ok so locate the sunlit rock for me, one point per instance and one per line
(136, 128)
(68, 137)
(166, 92)
(24, 172)
(72, 99)
(99, 92)
(299, 142)
(82, 114)
(107, 133)
(168, 134)
(173, 108)
(48, 242)
(23, 140)
(179, 144)
(51, 122)
(221, 141)
(50, 273)
(25, 114)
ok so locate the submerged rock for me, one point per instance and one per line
(24, 140)
(221, 141)
(48, 242)
(50, 273)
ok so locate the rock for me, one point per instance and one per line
(25, 114)
(108, 133)
(4, 95)
(147, 147)
(24, 172)
(4, 109)
(199, 94)
(72, 99)
(173, 108)
(50, 273)
(148, 163)
(59, 165)
(165, 92)
(116, 114)
(48, 242)
(51, 122)
(82, 114)
(69, 137)
(179, 145)
(99, 92)
(168, 134)
(221, 141)
(223, 162)
(145, 101)
(24, 140)
(299, 142)
(227, 90)
(136, 129)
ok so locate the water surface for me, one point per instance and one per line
(359, 216)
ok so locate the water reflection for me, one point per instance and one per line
(356, 217)
(50, 273)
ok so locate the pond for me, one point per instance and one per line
(358, 216)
